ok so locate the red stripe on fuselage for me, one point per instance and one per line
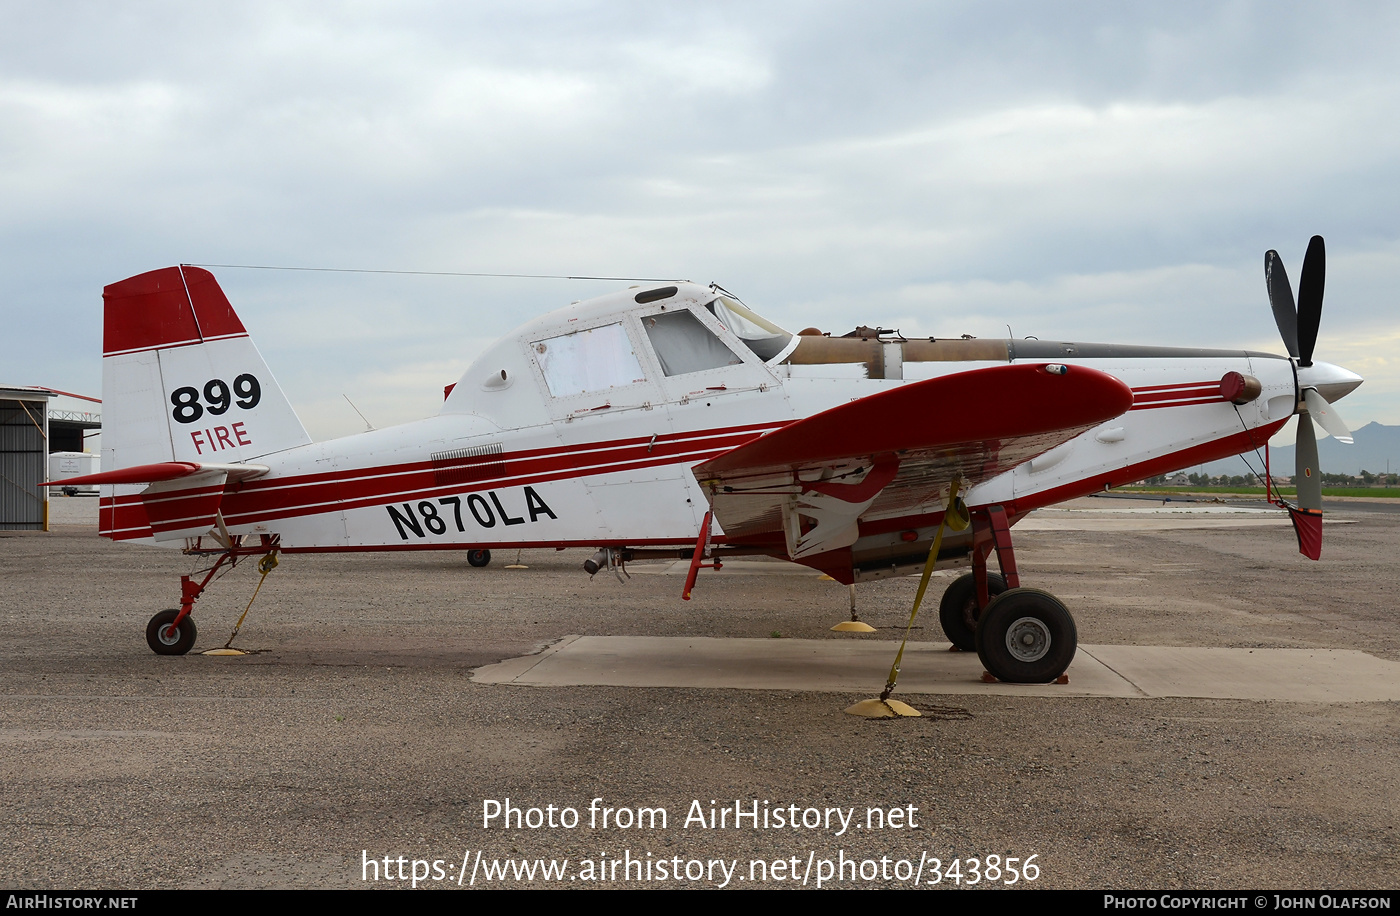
(1176, 394)
(1237, 443)
(1176, 387)
(267, 500)
(1151, 397)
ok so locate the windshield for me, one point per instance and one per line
(759, 334)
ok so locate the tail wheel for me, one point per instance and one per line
(1026, 636)
(958, 611)
(165, 639)
(478, 557)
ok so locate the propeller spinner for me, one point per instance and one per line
(1298, 325)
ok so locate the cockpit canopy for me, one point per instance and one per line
(603, 357)
(629, 349)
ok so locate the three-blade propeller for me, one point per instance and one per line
(1298, 325)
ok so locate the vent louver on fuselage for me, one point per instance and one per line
(467, 465)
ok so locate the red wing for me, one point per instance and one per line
(892, 453)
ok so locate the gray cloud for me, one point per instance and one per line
(1111, 170)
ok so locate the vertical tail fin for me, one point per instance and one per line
(181, 379)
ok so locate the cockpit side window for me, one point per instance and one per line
(683, 344)
(591, 360)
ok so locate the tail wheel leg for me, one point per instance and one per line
(172, 632)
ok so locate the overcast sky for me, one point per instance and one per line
(1107, 172)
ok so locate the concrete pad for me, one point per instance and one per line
(774, 664)
(1297, 675)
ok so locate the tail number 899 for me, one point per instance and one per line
(218, 398)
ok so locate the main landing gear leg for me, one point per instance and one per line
(965, 600)
(1023, 635)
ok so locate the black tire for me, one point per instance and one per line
(1026, 636)
(478, 557)
(958, 611)
(164, 642)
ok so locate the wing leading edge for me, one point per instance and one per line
(893, 453)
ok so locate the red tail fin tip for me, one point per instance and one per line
(170, 307)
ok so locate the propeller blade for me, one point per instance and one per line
(1310, 284)
(1325, 414)
(1308, 478)
(1281, 300)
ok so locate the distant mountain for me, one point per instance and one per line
(1375, 445)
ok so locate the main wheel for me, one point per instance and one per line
(167, 640)
(1026, 636)
(958, 610)
(478, 557)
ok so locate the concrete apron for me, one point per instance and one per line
(837, 666)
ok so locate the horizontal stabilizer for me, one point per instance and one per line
(164, 470)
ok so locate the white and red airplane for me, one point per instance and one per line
(672, 420)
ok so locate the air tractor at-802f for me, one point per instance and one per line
(672, 420)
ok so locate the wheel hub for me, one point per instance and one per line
(970, 613)
(1028, 639)
(169, 635)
